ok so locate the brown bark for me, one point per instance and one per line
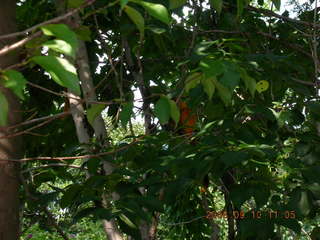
(9, 148)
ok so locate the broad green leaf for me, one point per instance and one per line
(240, 6)
(192, 81)
(212, 68)
(157, 30)
(231, 76)
(83, 33)
(249, 82)
(61, 31)
(126, 113)
(217, 5)
(94, 111)
(201, 47)
(127, 221)
(61, 71)
(15, 81)
(208, 86)
(60, 46)
(136, 17)
(262, 86)
(175, 112)
(224, 93)
(4, 106)
(233, 158)
(157, 11)
(277, 3)
(123, 3)
(75, 3)
(162, 110)
(176, 3)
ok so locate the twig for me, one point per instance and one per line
(53, 20)
(49, 166)
(59, 115)
(73, 157)
(18, 44)
(27, 130)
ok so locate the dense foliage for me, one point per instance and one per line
(247, 165)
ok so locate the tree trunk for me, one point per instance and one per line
(9, 148)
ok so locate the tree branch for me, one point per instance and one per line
(53, 20)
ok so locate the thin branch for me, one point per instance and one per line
(284, 18)
(73, 157)
(53, 20)
(59, 115)
(9, 48)
(27, 130)
(45, 89)
(51, 165)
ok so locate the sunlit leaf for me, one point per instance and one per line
(208, 86)
(60, 46)
(63, 32)
(162, 110)
(61, 71)
(123, 3)
(136, 17)
(157, 11)
(262, 86)
(94, 111)
(3, 110)
(15, 81)
(192, 81)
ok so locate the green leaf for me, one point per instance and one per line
(15, 81)
(61, 71)
(176, 3)
(136, 17)
(224, 93)
(277, 3)
(4, 106)
(60, 46)
(217, 5)
(127, 221)
(240, 6)
(262, 86)
(162, 110)
(63, 32)
(233, 158)
(192, 81)
(231, 76)
(94, 111)
(212, 68)
(75, 3)
(208, 86)
(123, 3)
(157, 11)
(125, 114)
(249, 82)
(83, 33)
(175, 112)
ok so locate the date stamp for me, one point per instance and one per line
(269, 214)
